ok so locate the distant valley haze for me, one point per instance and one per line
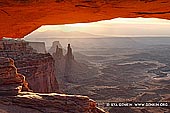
(124, 32)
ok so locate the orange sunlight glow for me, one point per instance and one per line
(116, 27)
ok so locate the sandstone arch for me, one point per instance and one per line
(20, 17)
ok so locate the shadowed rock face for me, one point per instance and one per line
(13, 100)
(69, 59)
(37, 67)
(20, 17)
(69, 70)
(11, 82)
(63, 63)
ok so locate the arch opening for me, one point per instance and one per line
(124, 59)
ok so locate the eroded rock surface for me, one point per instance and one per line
(20, 17)
(11, 82)
(47, 103)
(13, 100)
(37, 67)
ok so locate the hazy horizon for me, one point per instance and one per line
(119, 27)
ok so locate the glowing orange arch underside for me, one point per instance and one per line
(18, 19)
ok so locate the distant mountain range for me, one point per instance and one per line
(77, 34)
(62, 34)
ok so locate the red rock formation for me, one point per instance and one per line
(20, 17)
(11, 82)
(39, 71)
(38, 68)
(47, 103)
(12, 100)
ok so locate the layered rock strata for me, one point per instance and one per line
(26, 102)
(37, 67)
(11, 82)
(14, 100)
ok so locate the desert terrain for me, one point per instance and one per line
(121, 70)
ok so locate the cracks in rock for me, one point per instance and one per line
(25, 105)
(58, 1)
(79, 5)
(5, 12)
(87, 3)
(165, 12)
(148, 0)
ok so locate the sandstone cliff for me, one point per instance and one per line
(37, 67)
(13, 100)
(11, 82)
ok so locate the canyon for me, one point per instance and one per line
(29, 84)
(108, 72)
(20, 17)
(102, 74)
(16, 97)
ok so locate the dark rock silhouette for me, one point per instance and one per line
(69, 58)
(69, 54)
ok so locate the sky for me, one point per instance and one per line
(117, 27)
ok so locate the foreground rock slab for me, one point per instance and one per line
(14, 100)
(27, 102)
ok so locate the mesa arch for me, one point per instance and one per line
(20, 17)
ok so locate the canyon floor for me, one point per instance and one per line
(128, 75)
(122, 70)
